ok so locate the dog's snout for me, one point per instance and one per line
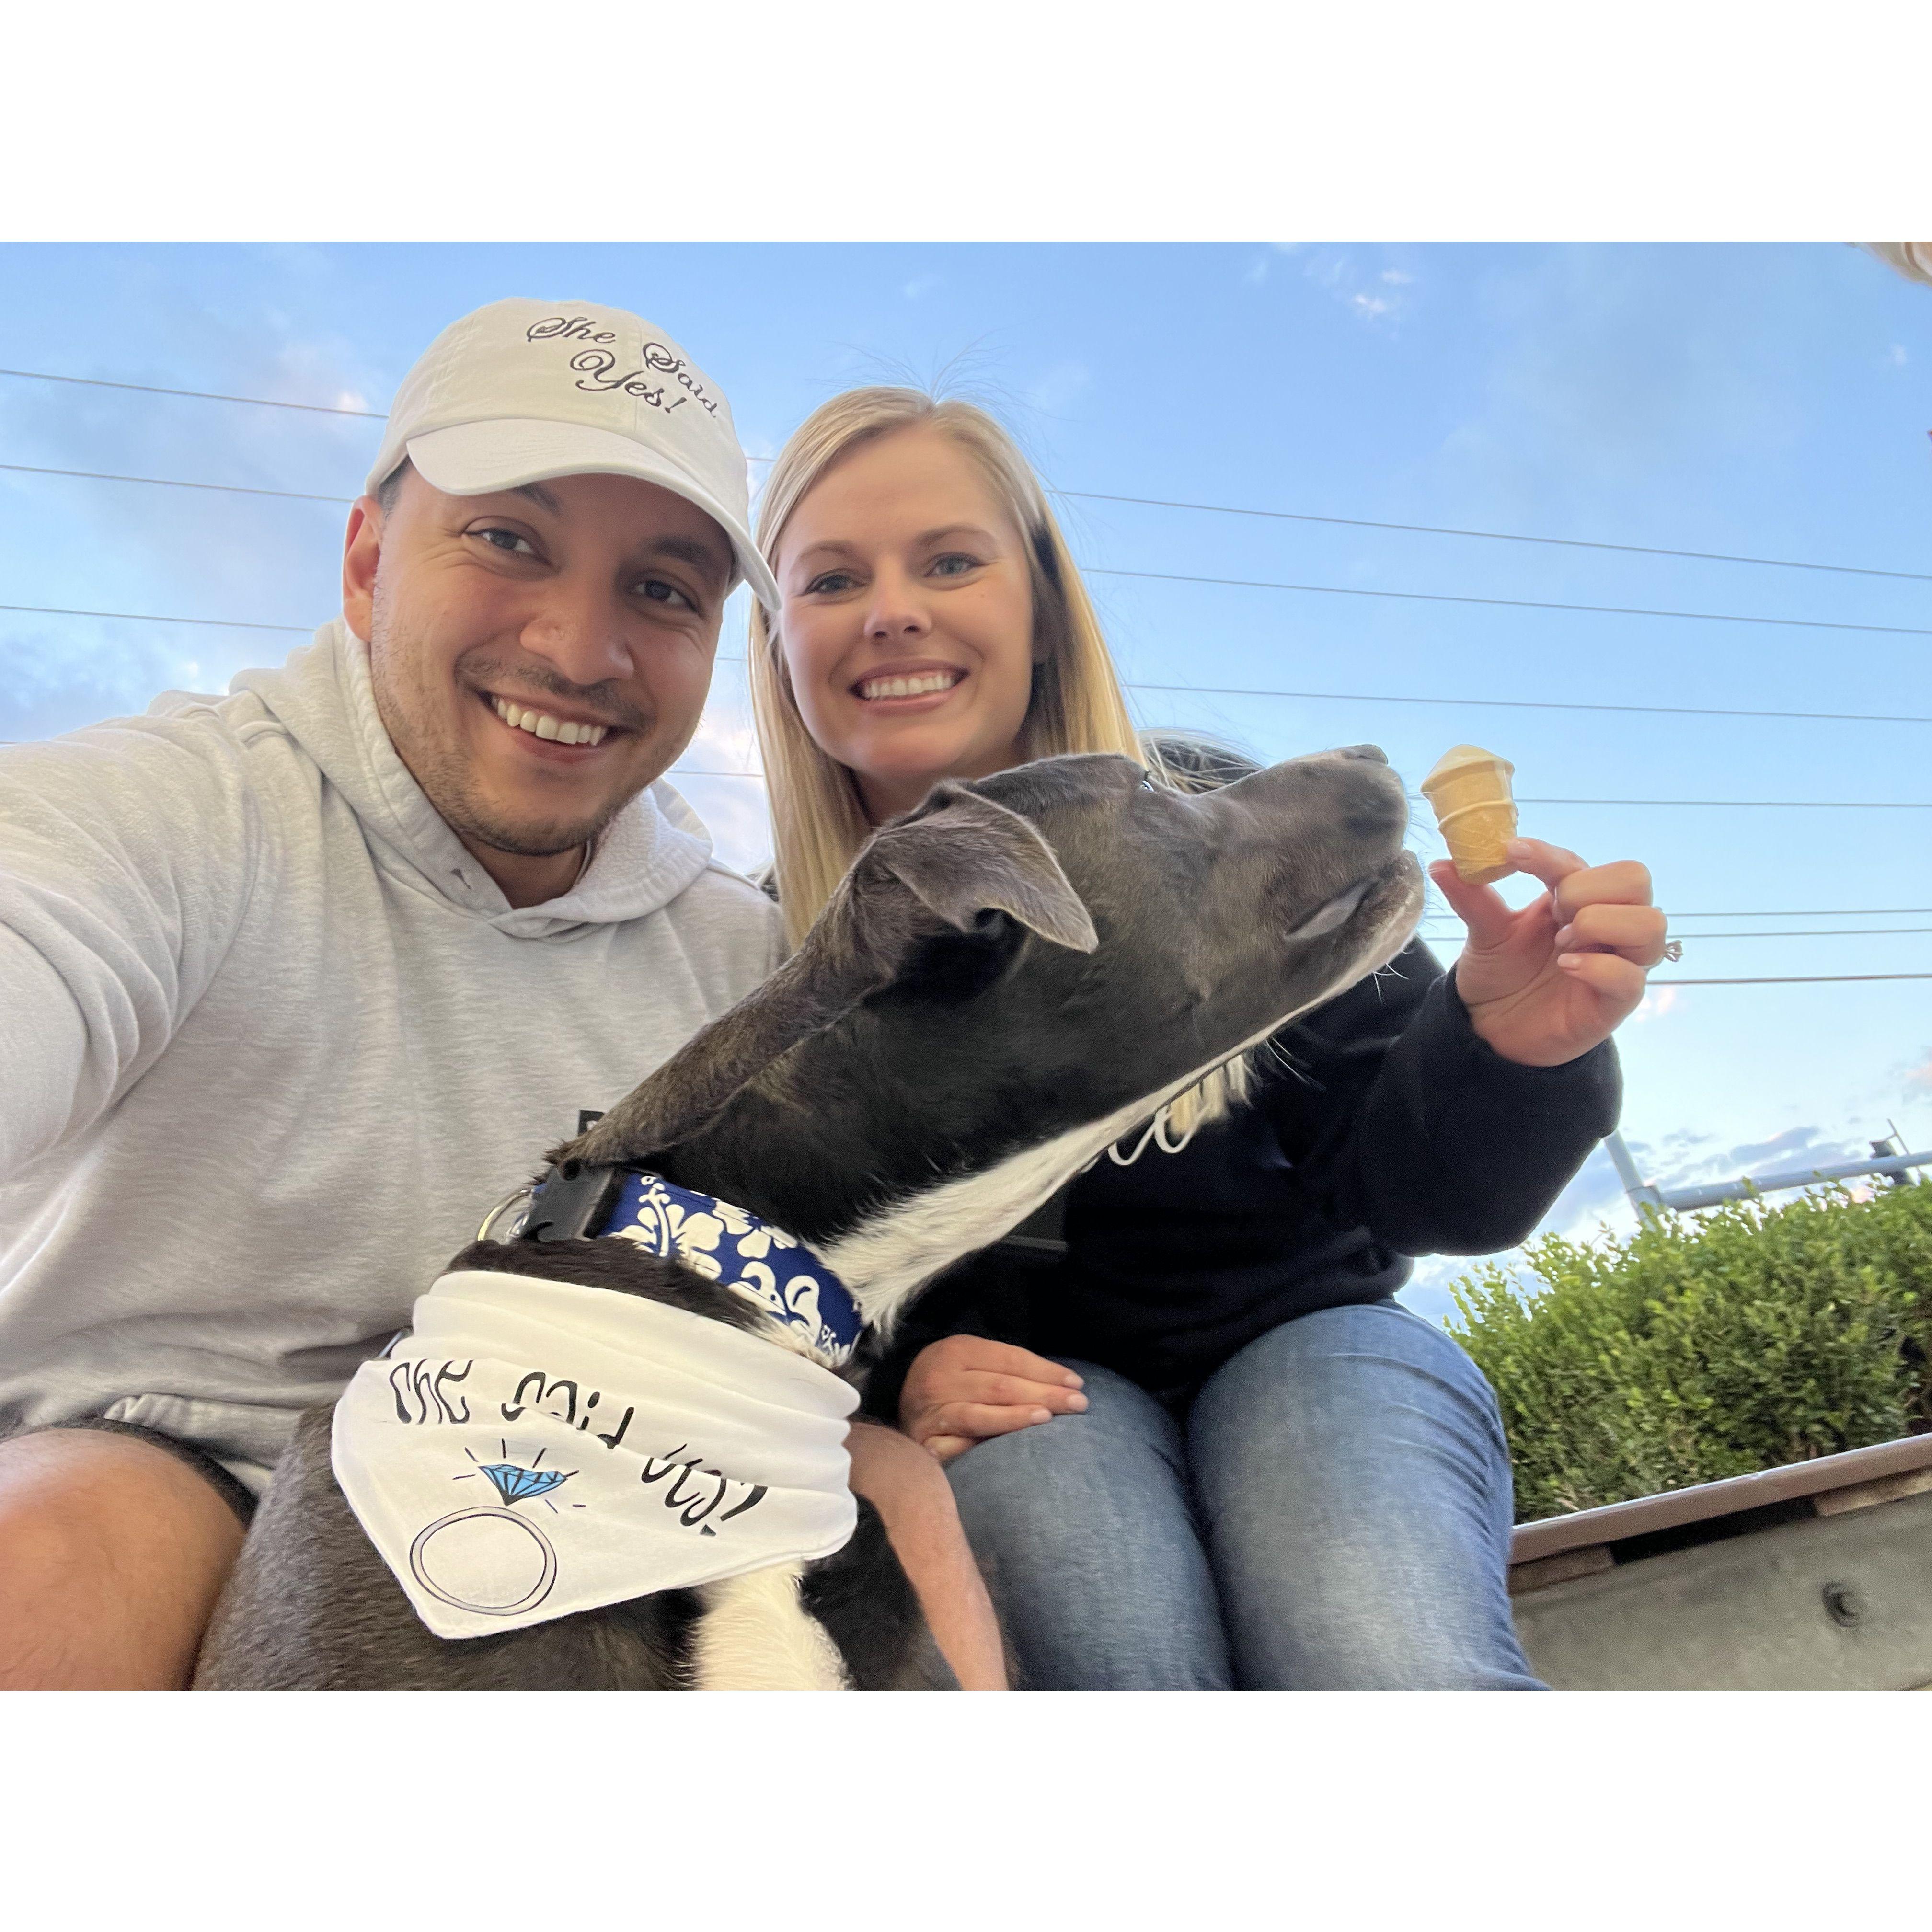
(1373, 753)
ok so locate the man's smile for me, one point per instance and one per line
(561, 735)
(548, 724)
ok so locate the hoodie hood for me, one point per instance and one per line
(654, 848)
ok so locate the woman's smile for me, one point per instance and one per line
(897, 688)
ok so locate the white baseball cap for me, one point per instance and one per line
(520, 391)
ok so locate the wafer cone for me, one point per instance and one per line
(1469, 789)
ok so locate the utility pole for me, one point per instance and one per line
(1889, 1159)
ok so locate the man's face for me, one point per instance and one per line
(502, 627)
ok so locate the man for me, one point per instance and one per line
(295, 983)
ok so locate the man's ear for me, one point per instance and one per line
(361, 553)
(962, 856)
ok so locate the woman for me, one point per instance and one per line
(1203, 1447)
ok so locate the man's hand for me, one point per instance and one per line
(961, 1390)
(1547, 983)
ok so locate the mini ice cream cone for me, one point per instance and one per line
(1469, 789)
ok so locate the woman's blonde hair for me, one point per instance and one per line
(817, 822)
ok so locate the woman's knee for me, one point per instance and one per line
(1122, 1430)
(1326, 1373)
(1355, 1487)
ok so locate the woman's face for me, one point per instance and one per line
(907, 623)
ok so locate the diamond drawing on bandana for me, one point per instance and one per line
(513, 1483)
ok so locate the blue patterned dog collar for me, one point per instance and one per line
(723, 1244)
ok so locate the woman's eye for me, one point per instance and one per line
(954, 563)
(831, 581)
(659, 591)
(511, 540)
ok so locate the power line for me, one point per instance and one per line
(1785, 912)
(1194, 690)
(199, 395)
(1447, 530)
(1512, 703)
(1171, 576)
(1793, 804)
(1845, 932)
(173, 483)
(1512, 603)
(1497, 536)
(148, 617)
(1813, 912)
(1796, 980)
(1535, 704)
(1103, 497)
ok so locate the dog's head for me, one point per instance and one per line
(1022, 963)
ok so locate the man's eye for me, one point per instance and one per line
(659, 591)
(512, 541)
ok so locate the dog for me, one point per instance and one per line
(1011, 976)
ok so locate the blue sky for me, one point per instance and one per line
(1769, 400)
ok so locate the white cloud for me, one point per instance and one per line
(1898, 359)
(1356, 289)
(1054, 393)
(186, 553)
(919, 285)
(734, 807)
(1257, 271)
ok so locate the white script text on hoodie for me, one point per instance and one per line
(272, 1041)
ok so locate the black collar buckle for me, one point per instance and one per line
(570, 1202)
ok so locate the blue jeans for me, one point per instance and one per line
(1334, 1514)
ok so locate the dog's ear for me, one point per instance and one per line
(961, 855)
(957, 858)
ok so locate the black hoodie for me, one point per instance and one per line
(1380, 1127)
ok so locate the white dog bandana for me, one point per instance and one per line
(534, 1448)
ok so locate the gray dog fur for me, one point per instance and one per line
(1010, 977)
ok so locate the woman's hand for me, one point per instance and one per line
(960, 1391)
(1547, 983)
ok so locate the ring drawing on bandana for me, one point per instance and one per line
(492, 1560)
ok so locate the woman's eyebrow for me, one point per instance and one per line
(839, 547)
(956, 530)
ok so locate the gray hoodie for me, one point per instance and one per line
(272, 1042)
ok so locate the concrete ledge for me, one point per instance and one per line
(1828, 1480)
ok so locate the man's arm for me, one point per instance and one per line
(127, 855)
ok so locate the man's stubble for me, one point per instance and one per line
(436, 760)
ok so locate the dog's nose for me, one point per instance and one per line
(1372, 751)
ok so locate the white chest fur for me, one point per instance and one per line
(756, 1634)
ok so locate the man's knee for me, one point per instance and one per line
(112, 1554)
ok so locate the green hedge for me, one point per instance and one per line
(1705, 1347)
